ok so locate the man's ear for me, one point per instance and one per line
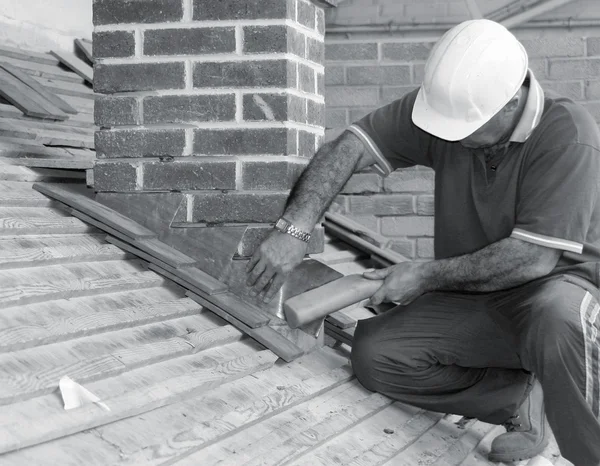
(513, 104)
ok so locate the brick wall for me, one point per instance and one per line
(220, 103)
(365, 71)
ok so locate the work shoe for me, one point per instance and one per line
(526, 432)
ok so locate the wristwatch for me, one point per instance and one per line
(285, 226)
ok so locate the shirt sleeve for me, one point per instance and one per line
(392, 138)
(557, 197)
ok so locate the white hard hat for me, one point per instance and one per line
(471, 74)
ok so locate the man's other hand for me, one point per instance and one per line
(403, 283)
(272, 262)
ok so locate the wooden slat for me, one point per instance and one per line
(45, 71)
(78, 66)
(48, 162)
(28, 55)
(253, 318)
(45, 323)
(95, 210)
(38, 383)
(86, 48)
(54, 422)
(43, 251)
(42, 137)
(18, 173)
(53, 99)
(26, 100)
(341, 320)
(265, 335)
(14, 193)
(67, 89)
(81, 120)
(345, 336)
(195, 449)
(153, 248)
(17, 119)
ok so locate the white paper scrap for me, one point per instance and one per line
(74, 395)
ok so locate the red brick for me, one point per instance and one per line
(539, 66)
(571, 89)
(270, 175)
(574, 68)
(359, 113)
(363, 183)
(425, 11)
(396, 75)
(192, 41)
(418, 73)
(407, 226)
(593, 46)
(115, 111)
(274, 107)
(273, 141)
(138, 77)
(409, 181)
(351, 52)
(274, 39)
(136, 11)
(114, 176)
(369, 221)
(592, 90)
(315, 113)
(307, 79)
(426, 205)
(559, 46)
(306, 14)
(335, 75)
(306, 144)
(342, 96)
(189, 175)
(113, 44)
(406, 247)
(255, 234)
(263, 73)
(406, 52)
(139, 143)
(320, 84)
(425, 248)
(321, 21)
(243, 9)
(315, 51)
(188, 108)
(336, 117)
(238, 207)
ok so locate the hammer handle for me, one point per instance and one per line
(331, 297)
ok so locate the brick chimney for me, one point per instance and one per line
(210, 110)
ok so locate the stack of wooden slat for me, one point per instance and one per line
(202, 288)
(46, 111)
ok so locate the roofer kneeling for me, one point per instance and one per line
(504, 325)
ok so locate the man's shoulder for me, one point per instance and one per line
(565, 122)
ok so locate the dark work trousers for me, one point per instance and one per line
(475, 354)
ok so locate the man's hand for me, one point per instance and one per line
(403, 283)
(271, 263)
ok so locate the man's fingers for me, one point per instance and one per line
(257, 271)
(379, 296)
(379, 274)
(252, 262)
(262, 282)
(274, 287)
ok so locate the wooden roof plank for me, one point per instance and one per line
(154, 248)
(66, 319)
(48, 162)
(53, 72)
(14, 226)
(27, 55)
(95, 210)
(78, 66)
(53, 99)
(19, 173)
(22, 97)
(49, 422)
(86, 48)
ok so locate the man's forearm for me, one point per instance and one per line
(322, 180)
(505, 264)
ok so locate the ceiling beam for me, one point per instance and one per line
(474, 9)
(533, 12)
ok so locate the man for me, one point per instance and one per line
(505, 322)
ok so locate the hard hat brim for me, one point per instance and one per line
(441, 126)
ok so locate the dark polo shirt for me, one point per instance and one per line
(543, 189)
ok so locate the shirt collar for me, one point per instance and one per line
(532, 114)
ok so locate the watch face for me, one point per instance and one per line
(281, 224)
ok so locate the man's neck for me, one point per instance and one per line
(505, 140)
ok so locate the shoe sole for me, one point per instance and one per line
(525, 455)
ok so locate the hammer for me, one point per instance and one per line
(331, 297)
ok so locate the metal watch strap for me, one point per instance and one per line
(291, 230)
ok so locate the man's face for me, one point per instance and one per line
(488, 135)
